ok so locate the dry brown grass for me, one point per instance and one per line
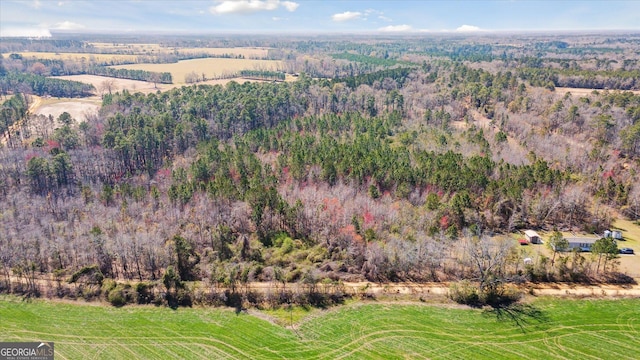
(139, 86)
(118, 84)
(210, 67)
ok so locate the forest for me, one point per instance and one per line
(390, 160)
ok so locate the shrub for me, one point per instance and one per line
(92, 274)
(121, 294)
(463, 292)
(144, 293)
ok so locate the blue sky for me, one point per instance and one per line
(40, 17)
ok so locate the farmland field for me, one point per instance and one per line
(547, 328)
(211, 67)
(77, 56)
(118, 84)
(137, 85)
(247, 52)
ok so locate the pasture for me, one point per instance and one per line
(210, 67)
(103, 58)
(247, 52)
(151, 49)
(544, 329)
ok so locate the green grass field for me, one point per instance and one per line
(549, 328)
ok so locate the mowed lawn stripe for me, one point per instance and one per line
(565, 329)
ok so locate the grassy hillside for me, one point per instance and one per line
(550, 328)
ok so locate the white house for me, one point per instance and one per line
(581, 243)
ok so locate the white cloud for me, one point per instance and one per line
(25, 32)
(346, 16)
(468, 28)
(384, 18)
(36, 4)
(290, 5)
(251, 6)
(67, 25)
(396, 28)
(373, 12)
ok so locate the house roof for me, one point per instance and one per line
(531, 233)
(581, 240)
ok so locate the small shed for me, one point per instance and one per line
(617, 234)
(532, 237)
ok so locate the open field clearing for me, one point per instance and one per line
(148, 49)
(126, 47)
(118, 84)
(77, 108)
(546, 328)
(144, 87)
(248, 53)
(77, 56)
(210, 67)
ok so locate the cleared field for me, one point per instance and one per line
(246, 52)
(126, 47)
(118, 84)
(545, 329)
(77, 108)
(144, 87)
(149, 49)
(210, 67)
(77, 56)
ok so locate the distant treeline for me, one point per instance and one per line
(263, 74)
(42, 85)
(365, 59)
(602, 79)
(143, 75)
(398, 74)
(54, 67)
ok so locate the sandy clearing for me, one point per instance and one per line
(77, 108)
